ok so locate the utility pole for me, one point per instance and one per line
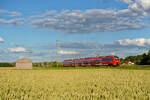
(58, 44)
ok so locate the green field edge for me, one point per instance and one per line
(122, 67)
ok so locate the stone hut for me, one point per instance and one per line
(24, 64)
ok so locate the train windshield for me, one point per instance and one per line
(116, 58)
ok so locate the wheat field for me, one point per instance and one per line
(87, 84)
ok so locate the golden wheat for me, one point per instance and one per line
(86, 84)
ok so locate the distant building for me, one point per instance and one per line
(129, 63)
(24, 64)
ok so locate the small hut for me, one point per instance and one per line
(24, 64)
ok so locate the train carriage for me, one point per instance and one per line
(93, 61)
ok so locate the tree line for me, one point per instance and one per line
(6, 64)
(47, 64)
(36, 64)
(143, 59)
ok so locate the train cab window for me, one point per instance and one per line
(116, 58)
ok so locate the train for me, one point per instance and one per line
(93, 61)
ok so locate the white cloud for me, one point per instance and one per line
(80, 45)
(134, 42)
(121, 48)
(144, 3)
(21, 57)
(68, 52)
(14, 14)
(94, 20)
(127, 1)
(72, 49)
(138, 4)
(18, 49)
(141, 7)
(2, 11)
(12, 17)
(14, 22)
(48, 13)
(118, 44)
(9, 13)
(1, 40)
(113, 53)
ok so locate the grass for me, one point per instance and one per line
(121, 67)
(134, 67)
(86, 84)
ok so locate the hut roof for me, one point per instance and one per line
(24, 60)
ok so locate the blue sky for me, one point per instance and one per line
(30, 28)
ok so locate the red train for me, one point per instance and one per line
(93, 61)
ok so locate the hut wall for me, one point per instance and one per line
(24, 65)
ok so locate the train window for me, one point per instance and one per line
(95, 61)
(67, 62)
(86, 61)
(78, 62)
(107, 60)
(99, 61)
(92, 61)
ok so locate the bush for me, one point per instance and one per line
(5, 64)
(56, 64)
(48, 64)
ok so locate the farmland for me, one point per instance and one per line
(75, 84)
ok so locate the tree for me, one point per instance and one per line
(143, 59)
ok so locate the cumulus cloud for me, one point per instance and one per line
(134, 42)
(13, 14)
(14, 22)
(47, 14)
(116, 45)
(127, 1)
(17, 50)
(142, 4)
(141, 7)
(80, 45)
(96, 20)
(3, 51)
(12, 18)
(121, 48)
(9, 13)
(145, 4)
(1, 40)
(67, 52)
